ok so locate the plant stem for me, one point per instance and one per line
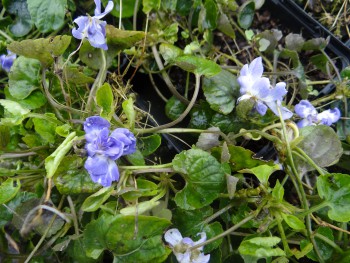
(146, 167)
(309, 160)
(329, 242)
(283, 235)
(225, 233)
(182, 116)
(101, 76)
(166, 77)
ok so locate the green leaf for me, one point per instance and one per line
(197, 65)
(335, 189)
(208, 16)
(76, 77)
(174, 108)
(35, 100)
(119, 40)
(6, 213)
(201, 116)
(149, 144)
(225, 26)
(321, 144)
(38, 221)
(23, 22)
(315, 44)
(148, 5)
(261, 247)
(324, 249)
(221, 91)
(14, 112)
(8, 190)
(53, 161)
(183, 7)
(246, 14)
(262, 172)
(293, 222)
(128, 109)
(169, 52)
(76, 251)
(205, 178)
(24, 77)
(143, 245)
(278, 191)
(71, 178)
(47, 15)
(46, 129)
(94, 235)
(104, 99)
(212, 230)
(42, 49)
(242, 158)
(127, 8)
(190, 222)
(298, 68)
(136, 158)
(63, 130)
(94, 202)
(139, 208)
(294, 41)
(144, 188)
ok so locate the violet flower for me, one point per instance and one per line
(258, 88)
(104, 149)
(310, 116)
(7, 60)
(93, 28)
(181, 247)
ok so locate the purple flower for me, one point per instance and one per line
(7, 60)
(258, 88)
(104, 149)
(93, 28)
(310, 116)
(128, 139)
(181, 247)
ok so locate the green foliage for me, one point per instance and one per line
(246, 14)
(93, 202)
(8, 190)
(23, 22)
(197, 65)
(24, 77)
(174, 108)
(149, 144)
(204, 176)
(334, 188)
(47, 15)
(42, 49)
(261, 247)
(221, 91)
(104, 99)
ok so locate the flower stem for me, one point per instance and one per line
(225, 233)
(182, 116)
(146, 167)
(101, 76)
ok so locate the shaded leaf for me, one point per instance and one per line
(221, 91)
(204, 176)
(23, 22)
(104, 99)
(149, 144)
(321, 144)
(24, 77)
(8, 190)
(94, 202)
(71, 178)
(335, 189)
(174, 108)
(246, 14)
(197, 65)
(47, 15)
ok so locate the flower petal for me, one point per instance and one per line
(201, 258)
(173, 237)
(304, 109)
(261, 108)
(328, 117)
(109, 8)
(127, 138)
(102, 170)
(93, 125)
(256, 68)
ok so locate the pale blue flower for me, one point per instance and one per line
(181, 247)
(7, 60)
(93, 28)
(104, 149)
(310, 116)
(258, 88)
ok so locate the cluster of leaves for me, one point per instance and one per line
(286, 207)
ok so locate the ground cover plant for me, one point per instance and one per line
(250, 165)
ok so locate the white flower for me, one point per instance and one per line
(181, 247)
